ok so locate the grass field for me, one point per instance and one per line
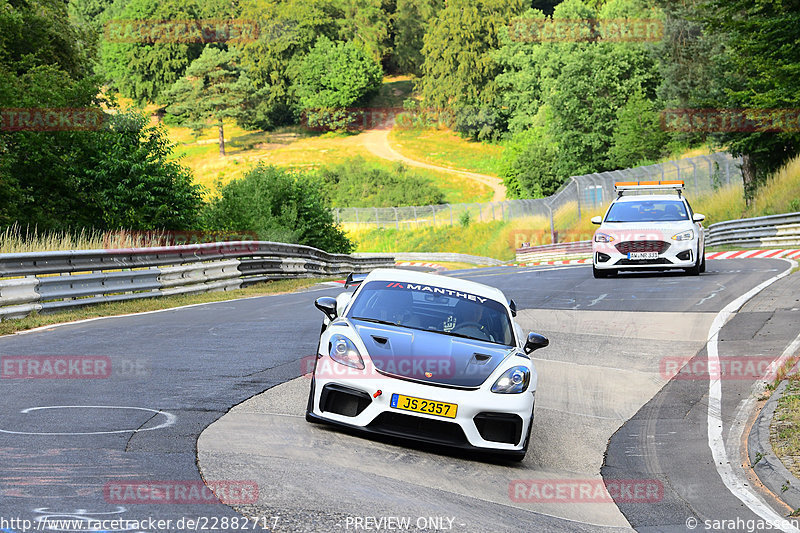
(447, 149)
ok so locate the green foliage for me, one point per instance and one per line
(214, 88)
(529, 162)
(760, 69)
(117, 175)
(355, 183)
(459, 68)
(367, 23)
(89, 13)
(411, 22)
(279, 205)
(638, 136)
(37, 33)
(288, 29)
(333, 77)
(144, 70)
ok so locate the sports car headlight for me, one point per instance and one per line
(513, 381)
(602, 237)
(684, 236)
(342, 350)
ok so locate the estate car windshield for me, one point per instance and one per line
(429, 308)
(648, 211)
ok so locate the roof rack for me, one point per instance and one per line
(622, 187)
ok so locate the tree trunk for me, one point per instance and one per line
(748, 178)
(221, 140)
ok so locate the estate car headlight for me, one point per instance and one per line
(515, 380)
(687, 235)
(602, 237)
(342, 350)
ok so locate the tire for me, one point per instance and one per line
(698, 267)
(600, 273)
(703, 265)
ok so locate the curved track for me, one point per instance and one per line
(176, 372)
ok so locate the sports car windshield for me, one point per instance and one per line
(446, 311)
(648, 211)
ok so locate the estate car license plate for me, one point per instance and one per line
(643, 255)
(418, 405)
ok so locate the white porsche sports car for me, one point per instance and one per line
(650, 226)
(429, 358)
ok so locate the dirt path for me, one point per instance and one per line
(377, 142)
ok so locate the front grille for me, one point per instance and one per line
(419, 428)
(642, 246)
(499, 427)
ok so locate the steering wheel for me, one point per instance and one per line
(474, 325)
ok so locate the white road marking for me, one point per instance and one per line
(598, 300)
(170, 420)
(733, 479)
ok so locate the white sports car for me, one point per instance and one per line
(429, 358)
(646, 231)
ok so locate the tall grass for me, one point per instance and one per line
(16, 240)
(780, 194)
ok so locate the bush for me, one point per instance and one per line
(278, 205)
(356, 183)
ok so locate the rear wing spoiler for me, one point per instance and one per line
(621, 187)
(354, 280)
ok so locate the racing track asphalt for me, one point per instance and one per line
(195, 363)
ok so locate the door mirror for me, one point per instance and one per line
(327, 305)
(535, 341)
(597, 220)
(698, 217)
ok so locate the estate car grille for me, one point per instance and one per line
(642, 246)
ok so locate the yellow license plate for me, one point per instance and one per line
(418, 405)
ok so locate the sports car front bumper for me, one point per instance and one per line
(483, 420)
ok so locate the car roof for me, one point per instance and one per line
(651, 197)
(445, 282)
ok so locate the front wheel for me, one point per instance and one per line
(698, 267)
(600, 273)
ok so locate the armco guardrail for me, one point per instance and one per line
(50, 281)
(774, 230)
(443, 257)
(565, 250)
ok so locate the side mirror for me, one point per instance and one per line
(597, 220)
(327, 305)
(698, 218)
(513, 306)
(535, 341)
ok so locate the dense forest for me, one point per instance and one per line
(570, 87)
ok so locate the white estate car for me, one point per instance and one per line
(429, 358)
(650, 226)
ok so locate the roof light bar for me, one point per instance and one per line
(629, 186)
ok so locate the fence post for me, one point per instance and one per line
(434, 216)
(396, 219)
(450, 206)
(415, 216)
(376, 217)
(577, 194)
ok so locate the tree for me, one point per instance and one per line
(638, 135)
(332, 78)
(214, 88)
(459, 68)
(412, 19)
(89, 13)
(288, 29)
(528, 166)
(279, 205)
(141, 60)
(761, 67)
(367, 23)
